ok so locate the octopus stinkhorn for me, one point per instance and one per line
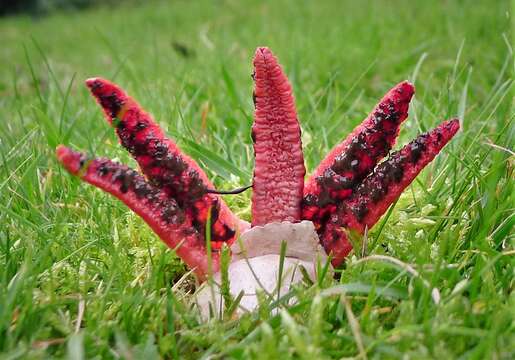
(348, 190)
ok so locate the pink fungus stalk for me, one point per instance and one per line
(279, 170)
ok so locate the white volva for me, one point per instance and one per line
(256, 261)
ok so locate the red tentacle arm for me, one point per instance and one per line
(354, 158)
(279, 166)
(379, 190)
(163, 163)
(161, 212)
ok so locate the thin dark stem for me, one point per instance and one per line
(229, 192)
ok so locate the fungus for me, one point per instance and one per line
(350, 189)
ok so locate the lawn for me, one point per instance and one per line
(82, 277)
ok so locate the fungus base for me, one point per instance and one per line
(256, 265)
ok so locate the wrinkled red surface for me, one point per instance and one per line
(163, 163)
(371, 198)
(163, 214)
(355, 157)
(279, 165)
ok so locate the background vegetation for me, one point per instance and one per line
(37, 8)
(81, 276)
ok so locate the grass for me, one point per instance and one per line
(82, 277)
